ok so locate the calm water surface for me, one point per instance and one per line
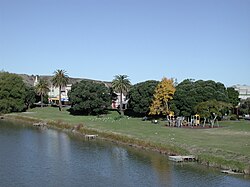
(35, 157)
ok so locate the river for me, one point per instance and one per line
(34, 157)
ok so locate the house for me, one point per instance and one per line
(53, 94)
(244, 91)
(116, 101)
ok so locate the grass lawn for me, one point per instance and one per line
(230, 142)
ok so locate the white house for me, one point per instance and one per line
(116, 102)
(244, 91)
(54, 92)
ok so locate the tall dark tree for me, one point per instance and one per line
(244, 108)
(30, 96)
(60, 80)
(233, 96)
(121, 84)
(12, 93)
(141, 96)
(183, 100)
(42, 89)
(89, 98)
(190, 93)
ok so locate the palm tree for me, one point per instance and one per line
(121, 84)
(60, 80)
(42, 88)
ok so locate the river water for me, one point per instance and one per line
(34, 157)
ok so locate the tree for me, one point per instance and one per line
(12, 93)
(30, 96)
(42, 89)
(190, 93)
(89, 98)
(233, 96)
(60, 80)
(183, 100)
(212, 109)
(141, 96)
(164, 92)
(244, 108)
(121, 84)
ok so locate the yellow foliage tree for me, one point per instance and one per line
(164, 92)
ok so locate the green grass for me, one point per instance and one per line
(230, 143)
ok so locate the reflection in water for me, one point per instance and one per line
(34, 157)
(159, 164)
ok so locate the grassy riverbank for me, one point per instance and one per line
(226, 147)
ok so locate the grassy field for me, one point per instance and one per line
(228, 145)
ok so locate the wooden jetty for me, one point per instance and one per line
(90, 136)
(189, 158)
(230, 172)
(40, 124)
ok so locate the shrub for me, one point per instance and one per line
(233, 117)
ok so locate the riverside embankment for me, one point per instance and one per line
(227, 147)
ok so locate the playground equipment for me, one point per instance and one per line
(195, 120)
(180, 121)
(171, 119)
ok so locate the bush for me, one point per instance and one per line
(233, 117)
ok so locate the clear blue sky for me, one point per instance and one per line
(144, 39)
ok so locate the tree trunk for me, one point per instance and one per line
(167, 108)
(213, 120)
(60, 102)
(204, 122)
(121, 105)
(41, 100)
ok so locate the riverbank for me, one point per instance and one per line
(225, 148)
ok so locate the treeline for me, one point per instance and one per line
(188, 98)
(157, 98)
